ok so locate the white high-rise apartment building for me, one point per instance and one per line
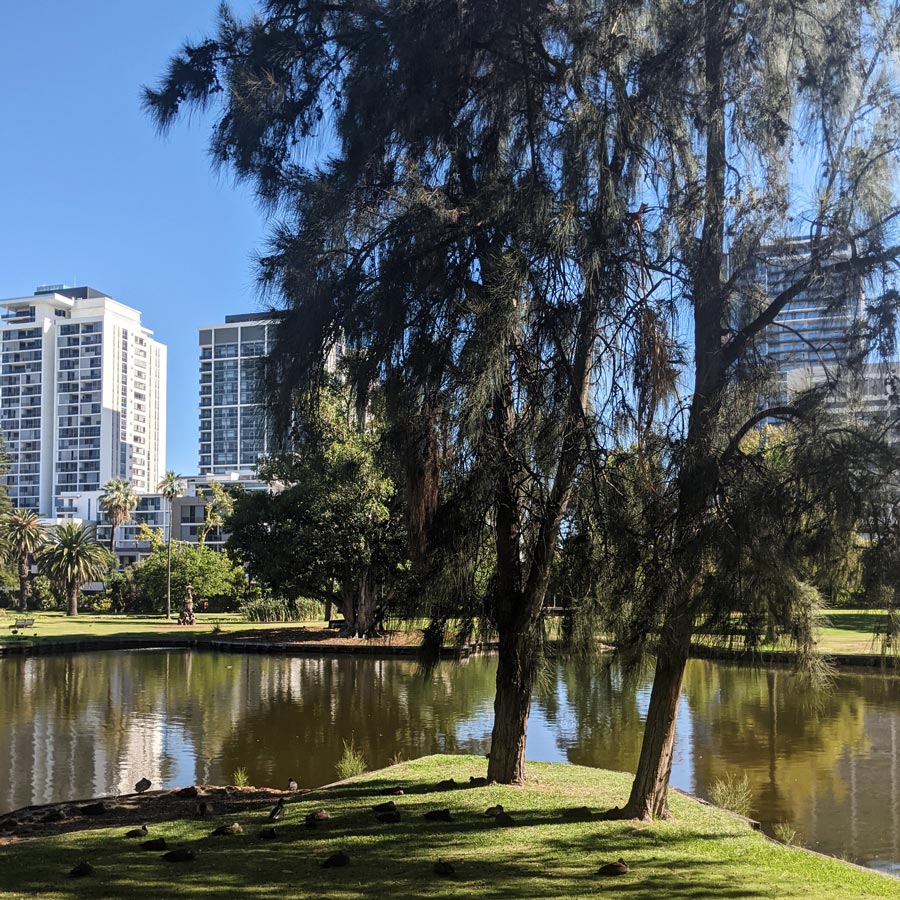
(82, 399)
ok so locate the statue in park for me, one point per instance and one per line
(186, 616)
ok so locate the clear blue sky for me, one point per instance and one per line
(90, 192)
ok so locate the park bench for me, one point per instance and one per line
(336, 623)
(21, 623)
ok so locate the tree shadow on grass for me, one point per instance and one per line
(541, 857)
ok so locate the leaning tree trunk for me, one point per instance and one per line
(23, 583)
(516, 670)
(73, 600)
(649, 797)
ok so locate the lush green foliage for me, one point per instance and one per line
(277, 609)
(352, 761)
(214, 578)
(335, 524)
(72, 556)
(22, 538)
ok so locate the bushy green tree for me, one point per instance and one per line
(335, 531)
(214, 577)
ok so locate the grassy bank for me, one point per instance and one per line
(847, 632)
(704, 853)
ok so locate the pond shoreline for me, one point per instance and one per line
(361, 648)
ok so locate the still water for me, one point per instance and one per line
(88, 724)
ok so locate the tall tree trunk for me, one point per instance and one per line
(73, 599)
(23, 583)
(516, 670)
(356, 600)
(649, 797)
(699, 473)
(169, 568)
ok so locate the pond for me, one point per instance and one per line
(77, 726)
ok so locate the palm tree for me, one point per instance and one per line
(118, 501)
(71, 557)
(170, 487)
(22, 537)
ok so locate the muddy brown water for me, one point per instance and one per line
(82, 725)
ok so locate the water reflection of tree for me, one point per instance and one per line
(603, 726)
(309, 706)
(791, 743)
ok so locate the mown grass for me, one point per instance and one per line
(57, 626)
(704, 853)
(846, 631)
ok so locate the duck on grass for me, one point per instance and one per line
(554, 845)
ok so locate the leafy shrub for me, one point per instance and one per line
(239, 777)
(42, 595)
(277, 609)
(352, 762)
(732, 792)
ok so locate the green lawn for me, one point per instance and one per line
(704, 853)
(57, 626)
(848, 631)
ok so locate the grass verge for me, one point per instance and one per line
(704, 853)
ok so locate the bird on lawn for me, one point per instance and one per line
(189, 792)
(388, 806)
(277, 811)
(137, 832)
(447, 784)
(492, 811)
(477, 782)
(504, 819)
(389, 818)
(620, 867)
(143, 785)
(83, 869)
(312, 819)
(292, 785)
(336, 860)
(444, 868)
(155, 844)
(438, 815)
(180, 855)
(268, 834)
(233, 828)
